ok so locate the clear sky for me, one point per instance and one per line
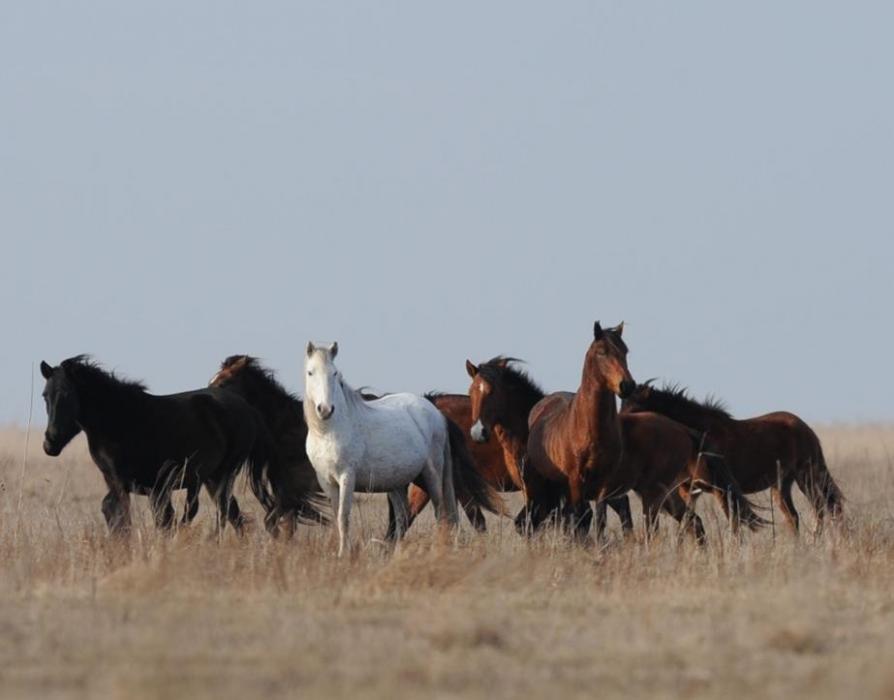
(180, 181)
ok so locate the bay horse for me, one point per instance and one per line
(499, 401)
(772, 451)
(580, 442)
(286, 485)
(151, 445)
(382, 446)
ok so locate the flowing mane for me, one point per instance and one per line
(252, 369)
(83, 369)
(675, 399)
(501, 369)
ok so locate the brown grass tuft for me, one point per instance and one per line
(83, 614)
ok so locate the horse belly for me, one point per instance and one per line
(380, 478)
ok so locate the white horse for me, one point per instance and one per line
(381, 446)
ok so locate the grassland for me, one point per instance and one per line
(84, 615)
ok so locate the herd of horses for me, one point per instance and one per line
(563, 451)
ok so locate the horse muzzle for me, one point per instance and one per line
(50, 447)
(479, 432)
(628, 386)
(325, 412)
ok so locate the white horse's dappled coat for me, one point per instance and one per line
(373, 446)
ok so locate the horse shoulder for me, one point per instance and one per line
(549, 406)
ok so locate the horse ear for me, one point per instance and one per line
(310, 348)
(471, 369)
(46, 370)
(333, 350)
(619, 329)
(597, 331)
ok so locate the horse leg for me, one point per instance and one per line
(234, 514)
(432, 481)
(448, 487)
(782, 495)
(601, 512)
(399, 514)
(681, 508)
(345, 498)
(162, 509)
(191, 507)
(651, 508)
(475, 516)
(116, 505)
(621, 506)
(227, 507)
(418, 500)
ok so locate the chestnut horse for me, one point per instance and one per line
(500, 397)
(771, 451)
(580, 442)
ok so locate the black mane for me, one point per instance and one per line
(253, 369)
(671, 397)
(501, 369)
(84, 369)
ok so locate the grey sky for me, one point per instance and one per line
(183, 181)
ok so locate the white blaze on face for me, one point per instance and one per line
(320, 380)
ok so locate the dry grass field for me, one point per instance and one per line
(83, 615)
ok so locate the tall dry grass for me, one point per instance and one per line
(82, 614)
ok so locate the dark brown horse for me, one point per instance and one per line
(579, 442)
(500, 397)
(287, 485)
(771, 451)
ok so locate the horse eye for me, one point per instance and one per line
(310, 374)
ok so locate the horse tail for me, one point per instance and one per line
(819, 486)
(468, 483)
(258, 464)
(277, 496)
(741, 509)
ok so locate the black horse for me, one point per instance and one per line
(149, 444)
(287, 485)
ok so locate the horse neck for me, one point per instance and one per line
(108, 409)
(515, 423)
(594, 410)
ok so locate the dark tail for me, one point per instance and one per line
(468, 483)
(741, 509)
(819, 486)
(307, 507)
(257, 465)
(470, 486)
